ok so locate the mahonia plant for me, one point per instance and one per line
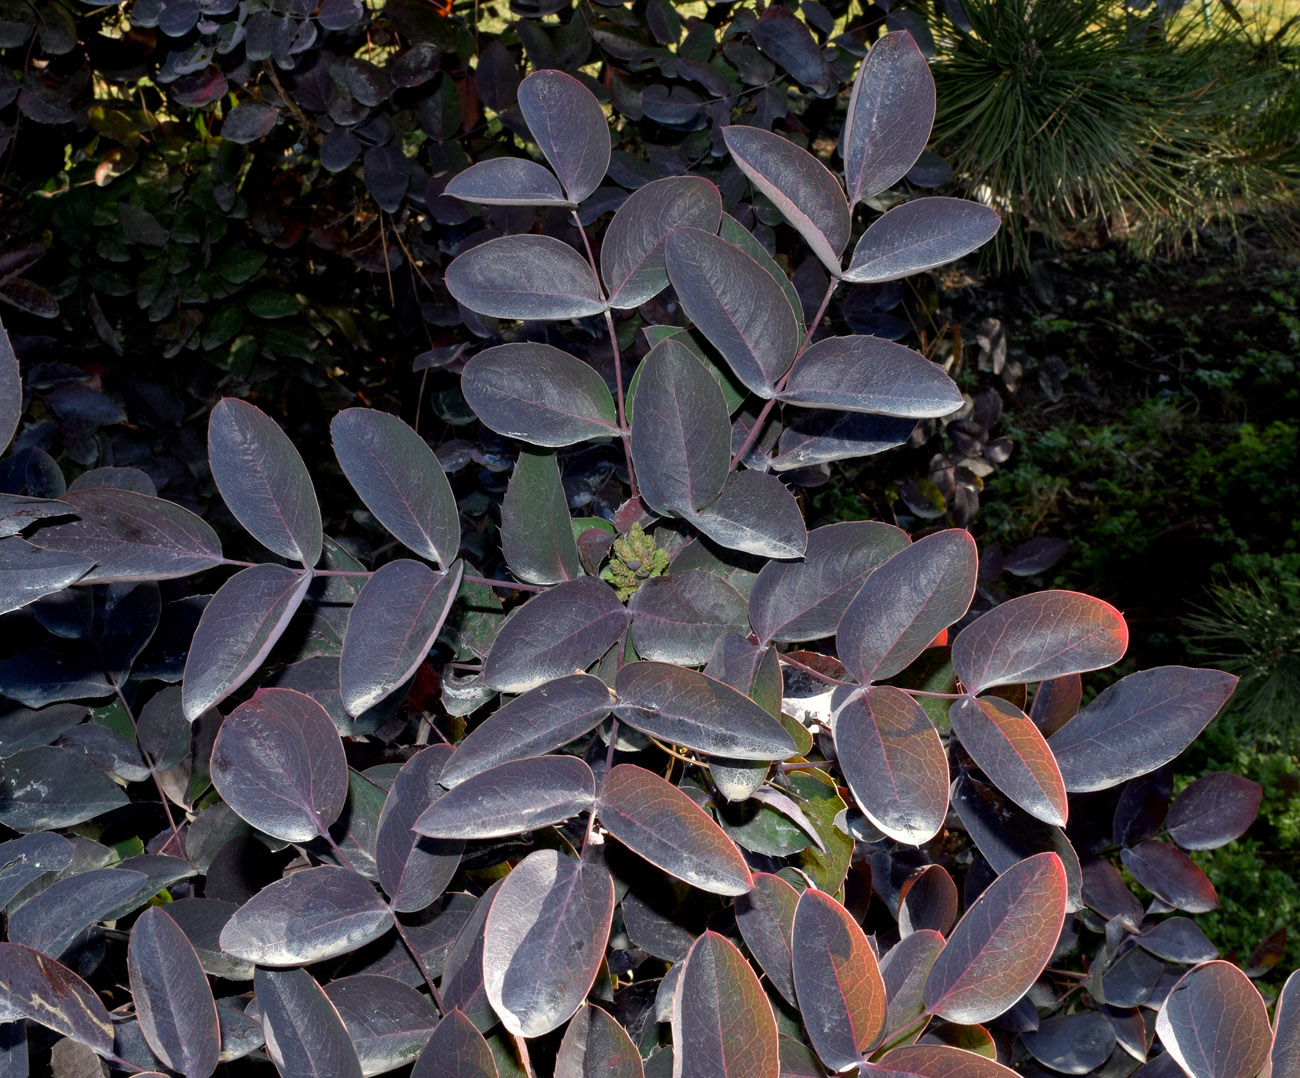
(707, 830)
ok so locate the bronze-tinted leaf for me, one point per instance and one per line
(1286, 1030)
(304, 1033)
(596, 1046)
(927, 900)
(765, 917)
(1214, 1023)
(1171, 876)
(942, 1061)
(455, 1050)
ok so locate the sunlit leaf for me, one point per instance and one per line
(870, 374)
(755, 514)
(50, 920)
(678, 618)
(1214, 1024)
(1286, 1030)
(596, 1046)
(1001, 944)
(941, 1061)
(387, 1021)
(515, 796)
(765, 917)
(263, 480)
(918, 236)
(723, 1026)
(456, 1049)
(1171, 876)
(1213, 811)
(545, 939)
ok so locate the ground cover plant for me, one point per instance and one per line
(706, 783)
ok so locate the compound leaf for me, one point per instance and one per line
(569, 126)
(507, 181)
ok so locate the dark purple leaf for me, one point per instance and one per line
(199, 89)
(927, 902)
(804, 600)
(49, 786)
(339, 149)
(1214, 810)
(391, 628)
(681, 433)
(734, 302)
(35, 986)
(1001, 944)
(202, 919)
(177, 1013)
(536, 529)
(525, 277)
(699, 712)
(537, 722)
(18, 511)
(278, 762)
(507, 181)
(1286, 1030)
(819, 437)
(656, 820)
(387, 174)
(1056, 702)
(723, 1025)
(756, 514)
(519, 795)
(918, 236)
(368, 83)
(398, 477)
(1047, 634)
(82, 405)
(115, 479)
(304, 1033)
(462, 971)
(632, 254)
(53, 675)
(738, 235)
(890, 113)
(544, 940)
(1008, 748)
(51, 919)
(937, 1061)
(868, 374)
(1178, 939)
(27, 573)
(130, 536)
(569, 126)
(678, 618)
(841, 994)
(905, 603)
(538, 394)
(11, 391)
(413, 869)
(1129, 980)
(339, 14)
(799, 185)
(1104, 890)
(237, 630)
(248, 122)
(894, 763)
(765, 917)
(1071, 1043)
(1171, 876)
(306, 917)
(263, 480)
(1035, 556)
(595, 1044)
(562, 630)
(455, 1050)
(783, 37)
(904, 969)
(387, 1021)
(1214, 1024)
(930, 170)
(1137, 724)
(23, 859)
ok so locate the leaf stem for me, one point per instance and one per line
(937, 695)
(153, 770)
(811, 672)
(419, 961)
(505, 585)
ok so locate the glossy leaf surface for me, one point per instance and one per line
(1047, 634)
(870, 374)
(388, 1022)
(1138, 724)
(755, 514)
(804, 600)
(840, 991)
(632, 254)
(538, 394)
(172, 998)
(904, 969)
(307, 917)
(1072, 1043)
(1178, 939)
(279, 763)
(942, 1061)
(927, 902)
(413, 869)
(1008, 748)
(456, 1049)
(569, 126)
(391, 627)
(263, 480)
(723, 1026)
(678, 618)
(236, 632)
(35, 986)
(24, 859)
(1171, 876)
(891, 110)
(50, 920)
(130, 536)
(544, 940)
(27, 573)
(894, 763)
(529, 277)
(1285, 1056)
(398, 477)
(799, 185)
(1214, 1023)
(1213, 811)
(51, 786)
(765, 917)
(699, 712)
(596, 1046)
(507, 181)
(1001, 944)
(905, 603)
(918, 236)
(681, 433)
(515, 796)
(304, 1034)
(656, 820)
(735, 304)
(530, 725)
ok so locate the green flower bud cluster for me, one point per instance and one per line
(634, 559)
